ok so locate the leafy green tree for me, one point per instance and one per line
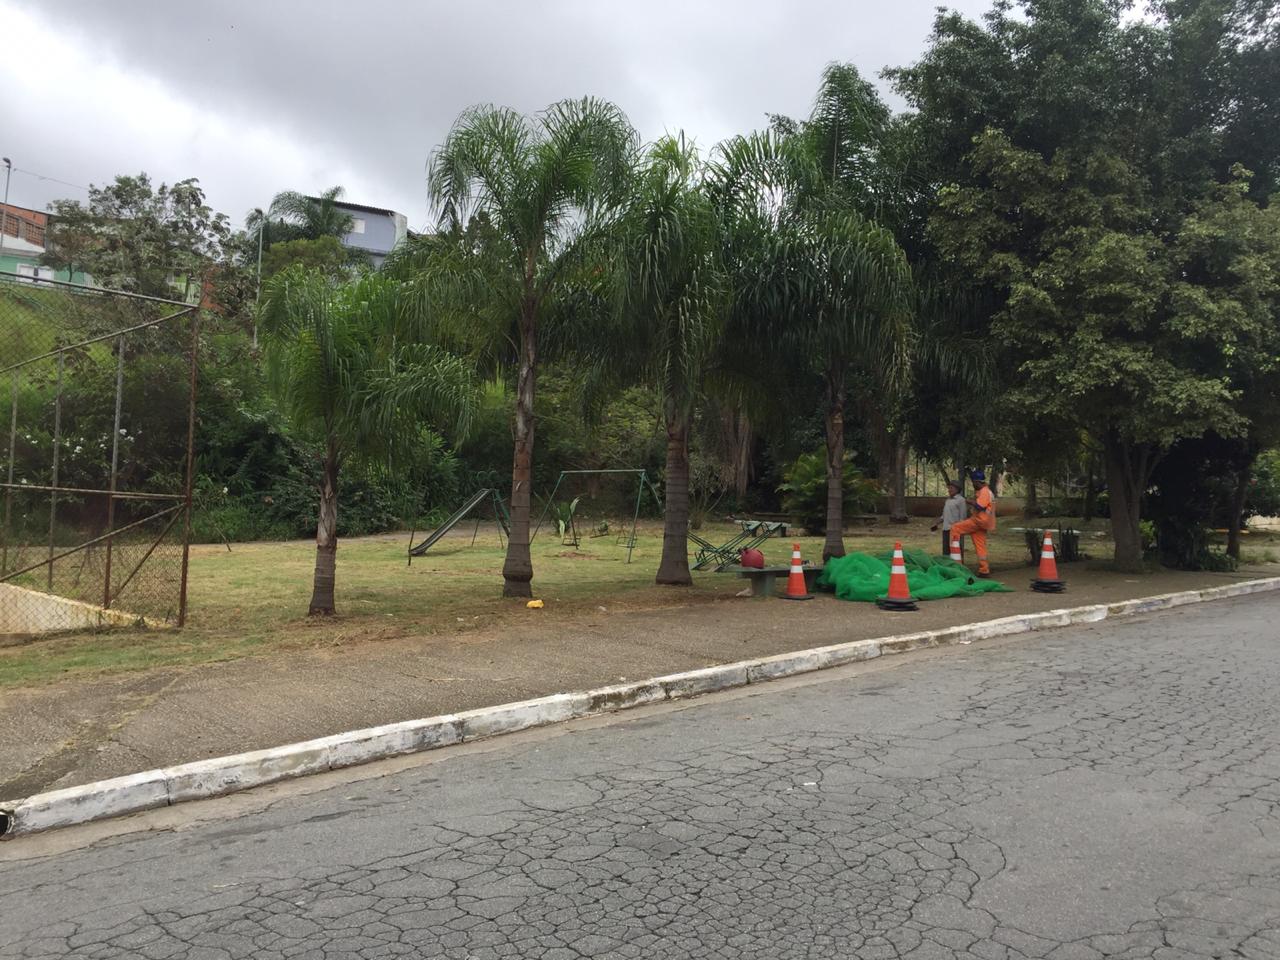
(672, 297)
(347, 376)
(1074, 147)
(159, 241)
(543, 190)
(70, 241)
(325, 254)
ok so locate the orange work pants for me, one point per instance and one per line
(975, 528)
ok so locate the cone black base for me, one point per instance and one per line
(1049, 586)
(885, 603)
(807, 596)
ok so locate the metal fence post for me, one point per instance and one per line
(8, 490)
(57, 444)
(191, 464)
(115, 465)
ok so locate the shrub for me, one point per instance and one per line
(804, 491)
(1263, 499)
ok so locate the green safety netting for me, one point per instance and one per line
(860, 576)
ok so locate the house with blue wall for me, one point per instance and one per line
(374, 231)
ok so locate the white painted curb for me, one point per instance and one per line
(222, 775)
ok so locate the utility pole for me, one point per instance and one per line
(4, 216)
(262, 222)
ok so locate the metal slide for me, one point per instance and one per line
(477, 498)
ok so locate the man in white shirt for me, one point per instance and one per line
(953, 511)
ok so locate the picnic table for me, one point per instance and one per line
(764, 580)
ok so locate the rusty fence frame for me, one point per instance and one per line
(181, 503)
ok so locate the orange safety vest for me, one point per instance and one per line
(987, 517)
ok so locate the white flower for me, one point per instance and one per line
(124, 432)
(224, 491)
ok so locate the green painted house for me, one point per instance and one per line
(22, 235)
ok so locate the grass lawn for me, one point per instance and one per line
(252, 600)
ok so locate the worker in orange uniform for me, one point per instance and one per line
(981, 522)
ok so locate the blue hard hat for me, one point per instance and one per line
(978, 476)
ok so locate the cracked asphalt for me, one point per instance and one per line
(1110, 791)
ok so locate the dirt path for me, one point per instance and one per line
(69, 733)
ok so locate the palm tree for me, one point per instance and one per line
(671, 296)
(347, 375)
(297, 216)
(813, 276)
(546, 187)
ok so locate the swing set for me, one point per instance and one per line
(568, 525)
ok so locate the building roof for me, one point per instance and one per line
(361, 207)
(17, 210)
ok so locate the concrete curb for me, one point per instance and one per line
(222, 775)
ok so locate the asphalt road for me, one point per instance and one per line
(1093, 792)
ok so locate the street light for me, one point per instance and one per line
(262, 222)
(4, 214)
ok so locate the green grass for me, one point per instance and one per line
(252, 601)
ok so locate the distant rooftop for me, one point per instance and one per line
(364, 208)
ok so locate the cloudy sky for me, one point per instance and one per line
(257, 96)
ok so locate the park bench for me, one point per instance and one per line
(764, 580)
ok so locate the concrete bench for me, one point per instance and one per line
(764, 580)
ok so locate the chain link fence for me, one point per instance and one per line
(98, 393)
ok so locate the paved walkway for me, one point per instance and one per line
(1111, 791)
(75, 732)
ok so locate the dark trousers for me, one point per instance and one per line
(946, 544)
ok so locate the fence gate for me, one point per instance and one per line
(98, 390)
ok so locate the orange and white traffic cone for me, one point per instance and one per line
(1048, 581)
(796, 588)
(899, 595)
(956, 554)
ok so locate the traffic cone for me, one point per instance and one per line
(1047, 581)
(956, 553)
(796, 589)
(899, 595)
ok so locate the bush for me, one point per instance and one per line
(1263, 499)
(804, 491)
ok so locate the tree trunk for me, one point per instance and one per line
(1237, 510)
(834, 544)
(734, 450)
(1128, 469)
(1090, 491)
(898, 505)
(1031, 503)
(673, 569)
(326, 537)
(517, 571)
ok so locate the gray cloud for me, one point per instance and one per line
(255, 97)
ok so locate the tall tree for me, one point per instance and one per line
(546, 187)
(159, 241)
(349, 377)
(1073, 145)
(671, 298)
(813, 275)
(298, 216)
